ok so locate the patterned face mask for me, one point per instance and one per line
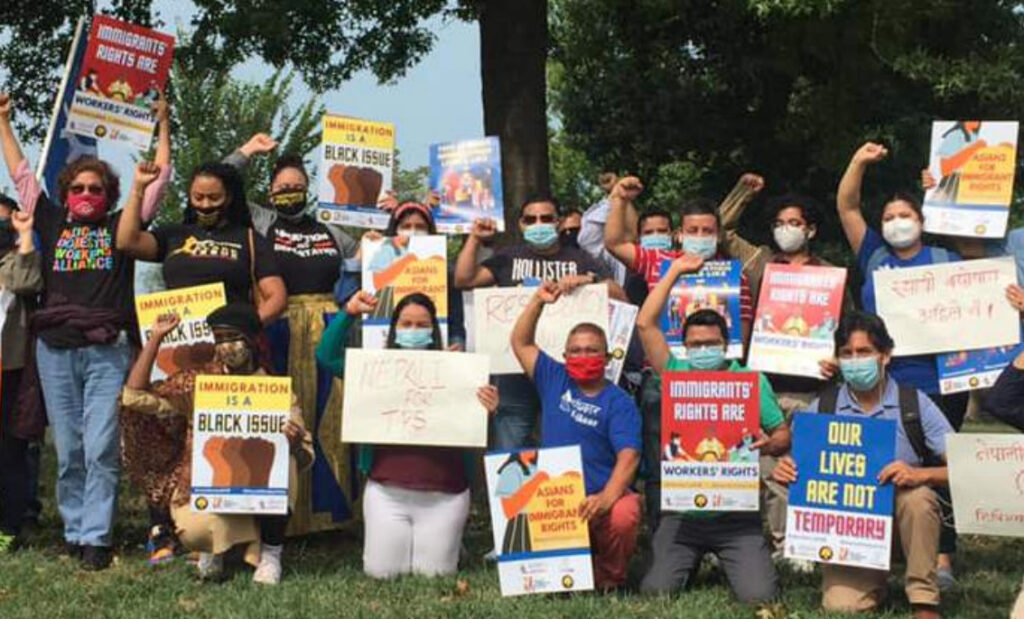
(235, 354)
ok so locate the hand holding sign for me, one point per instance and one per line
(595, 506)
(488, 396)
(484, 229)
(902, 475)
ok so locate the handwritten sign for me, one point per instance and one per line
(543, 545)
(986, 477)
(357, 159)
(414, 397)
(124, 70)
(240, 456)
(797, 313)
(394, 267)
(716, 287)
(190, 345)
(973, 163)
(946, 307)
(838, 513)
(708, 422)
(496, 310)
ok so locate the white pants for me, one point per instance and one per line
(412, 531)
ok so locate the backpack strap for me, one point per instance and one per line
(828, 397)
(910, 417)
(875, 260)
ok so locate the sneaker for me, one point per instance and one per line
(160, 545)
(210, 566)
(72, 551)
(945, 578)
(268, 572)
(96, 558)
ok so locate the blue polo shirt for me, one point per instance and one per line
(935, 425)
(602, 425)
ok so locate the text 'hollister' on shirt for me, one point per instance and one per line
(519, 264)
(602, 425)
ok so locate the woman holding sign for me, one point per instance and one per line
(86, 328)
(416, 500)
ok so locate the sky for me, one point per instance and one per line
(438, 100)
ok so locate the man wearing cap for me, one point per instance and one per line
(156, 426)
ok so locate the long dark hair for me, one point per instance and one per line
(416, 298)
(237, 210)
(404, 210)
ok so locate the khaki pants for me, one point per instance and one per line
(917, 524)
(774, 496)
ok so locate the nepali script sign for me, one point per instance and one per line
(838, 513)
(945, 307)
(986, 477)
(708, 422)
(414, 397)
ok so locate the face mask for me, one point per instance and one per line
(235, 354)
(289, 202)
(706, 357)
(414, 338)
(570, 237)
(585, 369)
(861, 373)
(7, 235)
(407, 232)
(208, 218)
(901, 232)
(656, 241)
(541, 236)
(87, 207)
(789, 238)
(703, 246)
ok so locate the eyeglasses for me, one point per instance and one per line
(532, 219)
(96, 190)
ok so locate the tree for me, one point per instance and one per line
(326, 42)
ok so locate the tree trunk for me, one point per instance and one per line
(513, 56)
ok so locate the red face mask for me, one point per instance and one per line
(87, 206)
(585, 369)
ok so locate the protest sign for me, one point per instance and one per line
(240, 455)
(986, 478)
(973, 369)
(838, 513)
(973, 163)
(708, 422)
(948, 307)
(716, 286)
(190, 345)
(414, 397)
(496, 310)
(357, 159)
(797, 313)
(621, 320)
(122, 75)
(543, 545)
(394, 267)
(467, 178)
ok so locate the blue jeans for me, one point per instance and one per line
(518, 410)
(80, 386)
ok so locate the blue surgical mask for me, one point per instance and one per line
(703, 246)
(541, 235)
(656, 241)
(414, 338)
(706, 357)
(861, 373)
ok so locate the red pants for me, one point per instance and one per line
(613, 540)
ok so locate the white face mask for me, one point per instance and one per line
(901, 232)
(789, 238)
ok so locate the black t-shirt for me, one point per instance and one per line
(518, 264)
(81, 267)
(193, 255)
(307, 255)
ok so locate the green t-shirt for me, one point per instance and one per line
(771, 415)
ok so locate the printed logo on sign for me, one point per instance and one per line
(567, 581)
(581, 412)
(100, 131)
(700, 500)
(825, 553)
(202, 503)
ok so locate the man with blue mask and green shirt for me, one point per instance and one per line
(682, 538)
(864, 348)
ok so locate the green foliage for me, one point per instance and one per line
(573, 177)
(213, 114)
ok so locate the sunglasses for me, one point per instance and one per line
(96, 190)
(532, 219)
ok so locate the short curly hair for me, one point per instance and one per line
(111, 182)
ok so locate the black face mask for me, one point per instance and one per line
(7, 235)
(289, 202)
(570, 236)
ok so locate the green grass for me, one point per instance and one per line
(323, 579)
